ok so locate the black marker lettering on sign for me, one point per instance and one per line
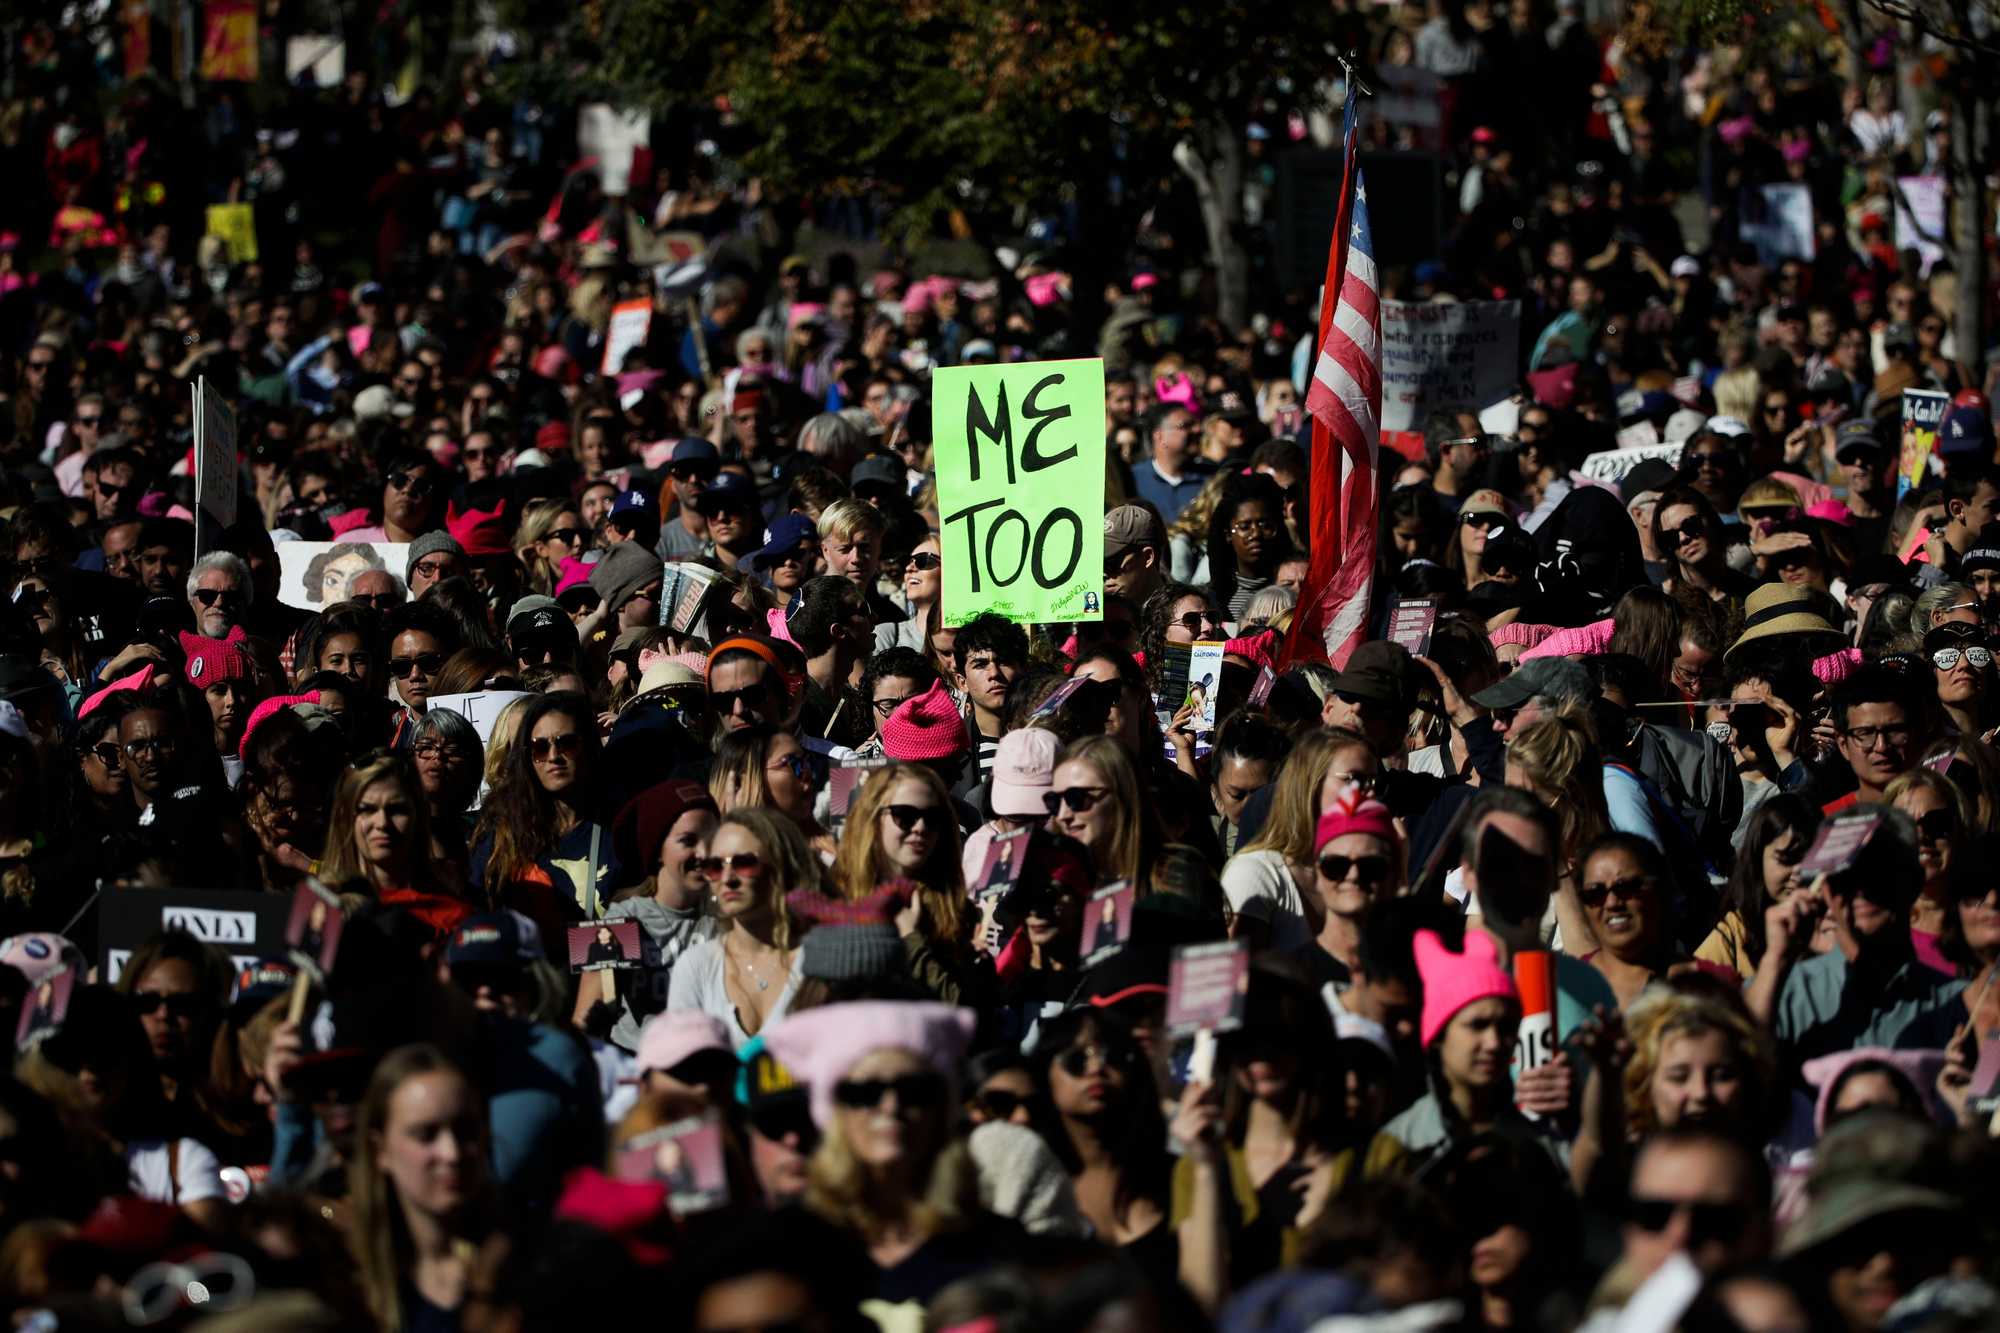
(998, 428)
(1075, 546)
(1031, 457)
(972, 527)
(1001, 432)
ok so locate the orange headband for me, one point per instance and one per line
(762, 650)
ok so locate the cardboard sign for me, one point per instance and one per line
(1001, 866)
(1204, 679)
(1438, 354)
(1778, 220)
(44, 1009)
(842, 782)
(613, 135)
(687, 1155)
(1208, 987)
(247, 926)
(314, 575)
(312, 930)
(229, 55)
(1020, 481)
(1410, 622)
(214, 454)
(631, 321)
(606, 944)
(1612, 464)
(1923, 409)
(1920, 204)
(1107, 921)
(1260, 690)
(1059, 696)
(1838, 844)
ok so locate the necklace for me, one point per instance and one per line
(747, 970)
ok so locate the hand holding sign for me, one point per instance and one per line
(1020, 477)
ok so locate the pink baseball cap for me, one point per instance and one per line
(1024, 771)
(680, 1034)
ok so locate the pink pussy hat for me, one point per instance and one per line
(1454, 980)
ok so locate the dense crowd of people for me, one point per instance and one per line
(752, 941)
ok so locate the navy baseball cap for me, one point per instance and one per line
(695, 452)
(632, 510)
(259, 984)
(729, 490)
(782, 538)
(494, 937)
(1964, 430)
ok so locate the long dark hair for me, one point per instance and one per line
(1782, 814)
(520, 817)
(1135, 1134)
(1286, 1016)
(1153, 625)
(1238, 491)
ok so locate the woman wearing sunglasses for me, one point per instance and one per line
(1266, 882)
(1097, 1106)
(923, 579)
(550, 532)
(748, 976)
(1360, 861)
(1465, 553)
(888, 1170)
(760, 768)
(1962, 660)
(1687, 531)
(901, 826)
(1944, 829)
(543, 825)
(97, 793)
(1622, 886)
(1096, 799)
(1178, 615)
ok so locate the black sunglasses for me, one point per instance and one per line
(428, 663)
(1366, 869)
(753, 697)
(907, 817)
(1706, 1221)
(1194, 621)
(1076, 1060)
(1937, 826)
(148, 1003)
(108, 754)
(415, 483)
(999, 1103)
(1689, 530)
(925, 561)
(913, 1090)
(1626, 890)
(778, 1123)
(229, 598)
(1078, 799)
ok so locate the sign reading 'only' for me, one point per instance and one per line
(1020, 474)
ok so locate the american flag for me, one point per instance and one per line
(1345, 401)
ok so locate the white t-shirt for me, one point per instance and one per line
(1259, 885)
(154, 1176)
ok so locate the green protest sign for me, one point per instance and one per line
(1019, 453)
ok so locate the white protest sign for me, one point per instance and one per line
(1411, 99)
(1437, 354)
(613, 136)
(482, 708)
(1613, 464)
(214, 454)
(314, 575)
(630, 321)
(1786, 230)
(1920, 218)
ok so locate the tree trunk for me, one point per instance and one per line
(1968, 233)
(1216, 168)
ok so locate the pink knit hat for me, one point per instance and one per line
(926, 727)
(1520, 632)
(138, 681)
(572, 573)
(1454, 980)
(270, 706)
(1354, 811)
(211, 661)
(821, 1045)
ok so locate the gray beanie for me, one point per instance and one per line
(849, 941)
(431, 543)
(625, 568)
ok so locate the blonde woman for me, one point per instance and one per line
(1695, 1060)
(759, 768)
(501, 740)
(420, 1196)
(1098, 800)
(1187, 539)
(748, 976)
(1556, 760)
(1939, 809)
(1270, 882)
(550, 533)
(379, 833)
(901, 827)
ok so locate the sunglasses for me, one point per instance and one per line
(779, 1123)
(1194, 621)
(112, 489)
(1626, 890)
(1483, 519)
(439, 750)
(413, 483)
(108, 754)
(704, 475)
(475, 455)
(912, 1090)
(1776, 513)
(428, 663)
(148, 1003)
(146, 745)
(752, 697)
(568, 745)
(743, 863)
(999, 1104)
(1076, 1060)
(1937, 826)
(907, 817)
(1706, 1221)
(1365, 869)
(379, 601)
(1690, 529)
(1078, 799)
(567, 536)
(926, 561)
(86, 421)
(1715, 459)
(801, 767)
(33, 599)
(1944, 659)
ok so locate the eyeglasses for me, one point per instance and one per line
(413, 483)
(884, 707)
(427, 663)
(435, 568)
(921, 1090)
(1937, 826)
(1078, 799)
(568, 745)
(1865, 737)
(439, 750)
(1249, 526)
(1635, 886)
(148, 1003)
(1076, 1060)
(1195, 621)
(1706, 1221)
(1944, 659)
(107, 754)
(925, 561)
(146, 745)
(907, 817)
(743, 863)
(1365, 869)
(800, 766)
(33, 364)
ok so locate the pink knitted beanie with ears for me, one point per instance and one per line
(1454, 980)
